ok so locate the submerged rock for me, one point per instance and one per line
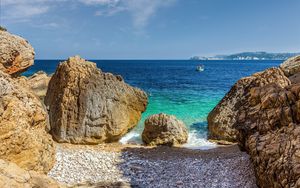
(88, 106)
(13, 176)
(16, 54)
(23, 121)
(222, 118)
(269, 130)
(163, 129)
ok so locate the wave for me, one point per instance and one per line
(195, 140)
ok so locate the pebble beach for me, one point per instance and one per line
(138, 166)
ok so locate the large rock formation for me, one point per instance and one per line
(16, 54)
(291, 66)
(13, 176)
(37, 83)
(23, 120)
(266, 121)
(291, 69)
(222, 118)
(88, 106)
(163, 129)
(269, 130)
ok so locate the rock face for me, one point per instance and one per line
(88, 106)
(291, 69)
(163, 129)
(291, 66)
(269, 130)
(16, 54)
(13, 176)
(222, 118)
(23, 120)
(37, 83)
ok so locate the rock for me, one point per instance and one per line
(269, 130)
(37, 83)
(163, 129)
(88, 106)
(13, 176)
(291, 66)
(16, 54)
(23, 121)
(222, 118)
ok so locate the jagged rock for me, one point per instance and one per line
(23, 121)
(88, 106)
(37, 83)
(16, 54)
(163, 129)
(269, 130)
(222, 118)
(13, 176)
(291, 66)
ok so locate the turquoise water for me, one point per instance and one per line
(175, 87)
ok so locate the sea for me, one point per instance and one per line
(175, 87)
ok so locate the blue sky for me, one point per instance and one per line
(153, 29)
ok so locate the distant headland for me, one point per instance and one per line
(248, 56)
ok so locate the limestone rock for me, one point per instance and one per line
(13, 176)
(222, 118)
(269, 130)
(37, 83)
(23, 121)
(16, 54)
(163, 129)
(291, 66)
(88, 106)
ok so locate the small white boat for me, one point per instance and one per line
(200, 68)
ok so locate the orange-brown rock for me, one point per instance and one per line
(222, 118)
(269, 130)
(163, 129)
(23, 121)
(291, 66)
(88, 106)
(12, 176)
(16, 54)
(37, 83)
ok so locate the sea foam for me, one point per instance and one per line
(194, 141)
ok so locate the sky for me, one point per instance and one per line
(153, 29)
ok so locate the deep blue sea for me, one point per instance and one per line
(175, 87)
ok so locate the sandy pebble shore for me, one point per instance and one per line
(153, 167)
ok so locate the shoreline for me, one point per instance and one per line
(145, 166)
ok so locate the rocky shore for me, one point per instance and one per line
(62, 130)
(261, 114)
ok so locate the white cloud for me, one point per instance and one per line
(140, 10)
(99, 2)
(22, 10)
(143, 10)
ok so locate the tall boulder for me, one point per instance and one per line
(16, 54)
(163, 129)
(23, 122)
(269, 130)
(88, 106)
(222, 118)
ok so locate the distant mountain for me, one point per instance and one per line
(249, 56)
